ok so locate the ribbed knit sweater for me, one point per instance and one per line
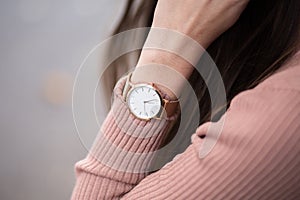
(257, 155)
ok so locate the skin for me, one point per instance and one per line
(204, 24)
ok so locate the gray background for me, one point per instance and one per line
(42, 40)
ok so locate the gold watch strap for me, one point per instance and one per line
(127, 86)
(169, 108)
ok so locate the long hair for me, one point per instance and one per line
(264, 37)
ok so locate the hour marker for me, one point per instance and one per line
(143, 89)
(152, 112)
(154, 94)
(136, 91)
(146, 114)
(149, 90)
(140, 113)
(134, 108)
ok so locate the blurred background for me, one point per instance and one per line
(43, 43)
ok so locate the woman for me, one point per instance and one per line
(256, 48)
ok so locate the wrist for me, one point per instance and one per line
(150, 94)
(173, 48)
(172, 56)
(171, 60)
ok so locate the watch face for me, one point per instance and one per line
(144, 101)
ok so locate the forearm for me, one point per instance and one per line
(167, 59)
(122, 153)
(197, 22)
(163, 59)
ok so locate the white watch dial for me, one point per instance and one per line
(144, 101)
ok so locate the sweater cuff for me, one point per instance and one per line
(125, 143)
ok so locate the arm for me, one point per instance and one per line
(107, 173)
(103, 174)
(256, 157)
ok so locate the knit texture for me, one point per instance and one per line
(257, 155)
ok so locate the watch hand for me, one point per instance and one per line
(150, 100)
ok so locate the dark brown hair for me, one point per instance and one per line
(263, 38)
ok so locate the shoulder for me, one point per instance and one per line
(263, 115)
(274, 101)
(277, 95)
(267, 106)
(272, 107)
(258, 140)
(287, 77)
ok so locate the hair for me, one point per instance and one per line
(264, 37)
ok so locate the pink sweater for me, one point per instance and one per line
(256, 157)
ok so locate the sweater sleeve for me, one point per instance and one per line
(256, 156)
(122, 153)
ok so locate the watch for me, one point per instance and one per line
(145, 101)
